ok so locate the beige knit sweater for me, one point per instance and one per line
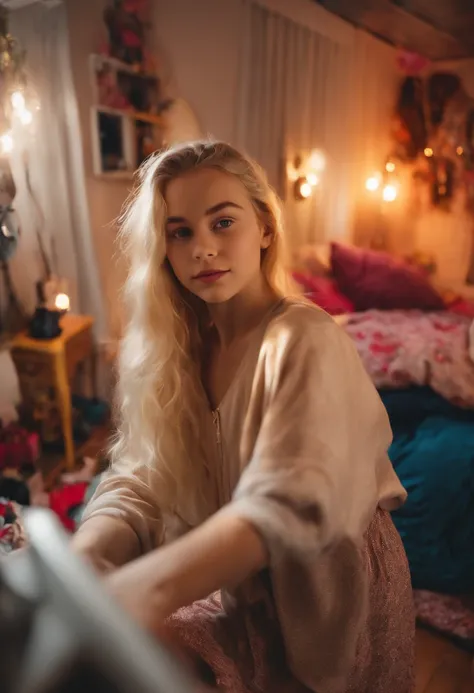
(299, 447)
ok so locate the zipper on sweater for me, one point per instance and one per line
(221, 472)
(217, 425)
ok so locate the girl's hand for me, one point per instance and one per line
(142, 600)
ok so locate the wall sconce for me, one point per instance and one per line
(303, 188)
(306, 175)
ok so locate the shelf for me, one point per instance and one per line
(120, 66)
(123, 137)
(134, 115)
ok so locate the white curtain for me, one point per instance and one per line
(54, 162)
(310, 81)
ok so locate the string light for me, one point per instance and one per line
(390, 167)
(26, 116)
(389, 193)
(428, 152)
(312, 179)
(6, 142)
(373, 182)
(18, 101)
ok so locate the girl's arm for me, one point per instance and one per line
(221, 553)
(106, 542)
(121, 521)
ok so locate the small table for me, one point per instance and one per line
(52, 363)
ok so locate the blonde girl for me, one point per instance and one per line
(247, 504)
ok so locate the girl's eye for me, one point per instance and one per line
(223, 224)
(180, 234)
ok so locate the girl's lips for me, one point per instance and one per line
(210, 277)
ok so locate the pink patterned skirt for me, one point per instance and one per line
(243, 652)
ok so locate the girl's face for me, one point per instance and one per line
(213, 237)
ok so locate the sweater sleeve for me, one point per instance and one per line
(129, 497)
(316, 441)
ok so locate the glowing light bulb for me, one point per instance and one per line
(18, 101)
(62, 302)
(428, 152)
(312, 179)
(6, 142)
(317, 160)
(459, 151)
(389, 193)
(373, 183)
(390, 167)
(305, 189)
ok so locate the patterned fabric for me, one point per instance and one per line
(241, 650)
(451, 616)
(402, 348)
(12, 535)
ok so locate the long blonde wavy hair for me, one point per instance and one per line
(160, 399)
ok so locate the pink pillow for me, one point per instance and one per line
(462, 307)
(371, 279)
(324, 293)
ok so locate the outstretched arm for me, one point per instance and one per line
(221, 553)
(106, 543)
(121, 522)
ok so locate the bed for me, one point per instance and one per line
(418, 347)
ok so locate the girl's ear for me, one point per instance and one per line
(266, 238)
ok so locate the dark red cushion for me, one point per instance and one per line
(324, 293)
(372, 279)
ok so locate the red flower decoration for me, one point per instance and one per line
(411, 63)
(130, 39)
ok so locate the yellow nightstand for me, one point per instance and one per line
(42, 363)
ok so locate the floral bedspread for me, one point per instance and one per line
(403, 348)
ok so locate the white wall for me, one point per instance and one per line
(200, 43)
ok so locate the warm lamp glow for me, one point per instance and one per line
(429, 152)
(389, 193)
(459, 151)
(373, 183)
(317, 161)
(61, 302)
(312, 179)
(303, 188)
(390, 167)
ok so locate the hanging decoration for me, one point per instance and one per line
(18, 102)
(433, 132)
(126, 22)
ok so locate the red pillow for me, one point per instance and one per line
(324, 293)
(372, 279)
